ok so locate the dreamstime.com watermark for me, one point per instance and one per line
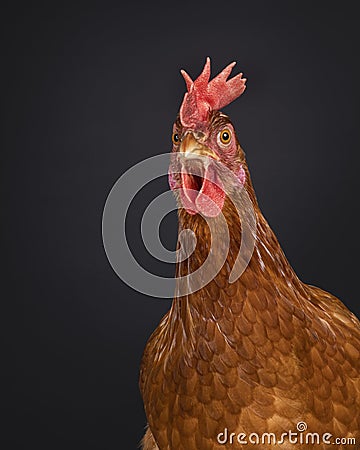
(300, 436)
(131, 271)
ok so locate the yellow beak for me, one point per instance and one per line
(191, 148)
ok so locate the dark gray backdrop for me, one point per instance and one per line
(90, 90)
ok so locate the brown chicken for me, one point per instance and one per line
(261, 362)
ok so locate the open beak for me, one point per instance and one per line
(201, 189)
(191, 148)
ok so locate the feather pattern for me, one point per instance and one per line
(259, 355)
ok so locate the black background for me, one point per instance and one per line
(88, 90)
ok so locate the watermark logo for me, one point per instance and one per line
(301, 426)
(301, 436)
(131, 271)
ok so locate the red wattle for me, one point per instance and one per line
(209, 201)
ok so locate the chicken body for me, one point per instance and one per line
(261, 355)
(264, 354)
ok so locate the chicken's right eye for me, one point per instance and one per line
(175, 138)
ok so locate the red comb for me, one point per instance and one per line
(204, 96)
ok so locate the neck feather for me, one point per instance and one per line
(267, 275)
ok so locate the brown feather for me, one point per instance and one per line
(259, 355)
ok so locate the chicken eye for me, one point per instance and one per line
(175, 138)
(225, 136)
